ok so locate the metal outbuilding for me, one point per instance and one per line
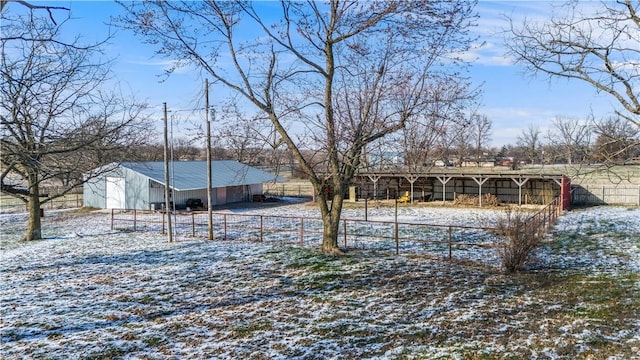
(141, 185)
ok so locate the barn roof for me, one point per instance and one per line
(192, 175)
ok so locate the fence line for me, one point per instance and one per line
(354, 233)
(379, 235)
(546, 217)
(291, 190)
(605, 194)
(10, 204)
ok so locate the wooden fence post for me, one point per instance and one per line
(366, 209)
(261, 228)
(112, 219)
(193, 225)
(135, 220)
(301, 231)
(224, 220)
(396, 235)
(344, 229)
(450, 244)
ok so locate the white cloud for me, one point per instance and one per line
(165, 65)
(488, 53)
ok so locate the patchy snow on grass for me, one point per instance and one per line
(89, 292)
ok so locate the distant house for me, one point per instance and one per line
(141, 185)
(442, 163)
(486, 162)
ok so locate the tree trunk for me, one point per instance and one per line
(330, 220)
(330, 236)
(34, 227)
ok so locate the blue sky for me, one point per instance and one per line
(512, 99)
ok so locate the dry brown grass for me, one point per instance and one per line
(474, 200)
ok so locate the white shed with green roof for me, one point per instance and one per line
(140, 185)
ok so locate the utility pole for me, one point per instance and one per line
(209, 170)
(167, 190)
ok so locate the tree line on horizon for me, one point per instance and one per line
(609, 142)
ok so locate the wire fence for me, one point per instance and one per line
(546, 217)
(444, 241)
(9, 204)
(397, 237)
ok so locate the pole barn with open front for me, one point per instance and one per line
(140, 185)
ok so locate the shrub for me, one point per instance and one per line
(520, 235)
(490, 200)
(464, 199)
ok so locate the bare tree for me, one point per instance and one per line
(48, 8)
(573, 137)
(531, 143)
(425, 137)
(182, 148)
(481, 133)
(56, 125)
(459, 139)
(599, 46)
(350, 73)
(617, 141)
(246, 137)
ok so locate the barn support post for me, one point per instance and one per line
(565, 192)
(375, 179)
(412, 179)
(520, 182)
(444, 180)
(112, 219)
(480, 181)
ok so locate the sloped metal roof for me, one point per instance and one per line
(192, 175)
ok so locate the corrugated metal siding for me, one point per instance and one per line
(236, 194)
(94, 193)
(137, 190)
(156, 192)
(221, 196)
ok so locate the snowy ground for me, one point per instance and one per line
(88, 292)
